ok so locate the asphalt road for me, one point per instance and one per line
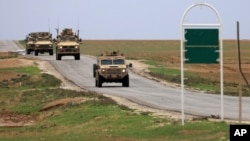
(144, 91)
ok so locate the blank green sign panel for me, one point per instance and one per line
(202, 46)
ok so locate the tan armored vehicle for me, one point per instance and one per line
(43, 43)
(111, 67)
(67, 44)
(29, 42)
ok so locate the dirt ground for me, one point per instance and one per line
(9, 119)
(12, 62)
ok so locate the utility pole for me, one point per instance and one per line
(239, 64)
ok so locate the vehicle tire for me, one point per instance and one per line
(125, 82)
(36, 53)
(77, 57)
(51, 52)
(99, 81)
(58, 57)
(27, 51)
(94, 69)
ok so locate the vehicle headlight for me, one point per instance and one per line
(103, 70)
(76, 46)
(61, 47)
(123, 70)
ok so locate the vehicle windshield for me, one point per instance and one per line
(68, 38)
(114, 62)
(106, 62)
(30, 39)
(43, 39)
(118, 61)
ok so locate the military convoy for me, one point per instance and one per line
(111, 67)
(67, 44)
(39, 42)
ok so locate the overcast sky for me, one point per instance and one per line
(118, 19)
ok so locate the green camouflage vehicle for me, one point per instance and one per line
(67, 44)
(111, 67)
(43, 43)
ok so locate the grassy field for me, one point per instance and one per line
(25, 116)
(164, 58)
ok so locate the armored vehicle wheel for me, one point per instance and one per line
(36, 53)
(125, 82)
(51, 52)
(99, 81)
(58, 57)
(27, 51)
(77, 57)
(94, 69)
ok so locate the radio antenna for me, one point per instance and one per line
(57, 29)
(78, 26)
(49, 24)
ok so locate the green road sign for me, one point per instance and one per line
(204, 37)
(202, 46)
(202, 55)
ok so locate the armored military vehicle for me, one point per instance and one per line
(67, 44)
(39, 42)
(111, 67)
(43, 43)
(29, 42)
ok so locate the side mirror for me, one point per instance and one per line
(80, 40)
(97, 66)
(54, 40)
(129, 65)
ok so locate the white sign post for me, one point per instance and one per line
(182, 41)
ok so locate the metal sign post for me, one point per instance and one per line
(203, 44)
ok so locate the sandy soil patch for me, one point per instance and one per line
(7, 75)
(8, 119)
(65, 101)
(10, 63)
(15, 62)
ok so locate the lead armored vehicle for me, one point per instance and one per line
(111, 67)
(67, 44)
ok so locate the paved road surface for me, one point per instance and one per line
(7, 45)
(145, 91)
